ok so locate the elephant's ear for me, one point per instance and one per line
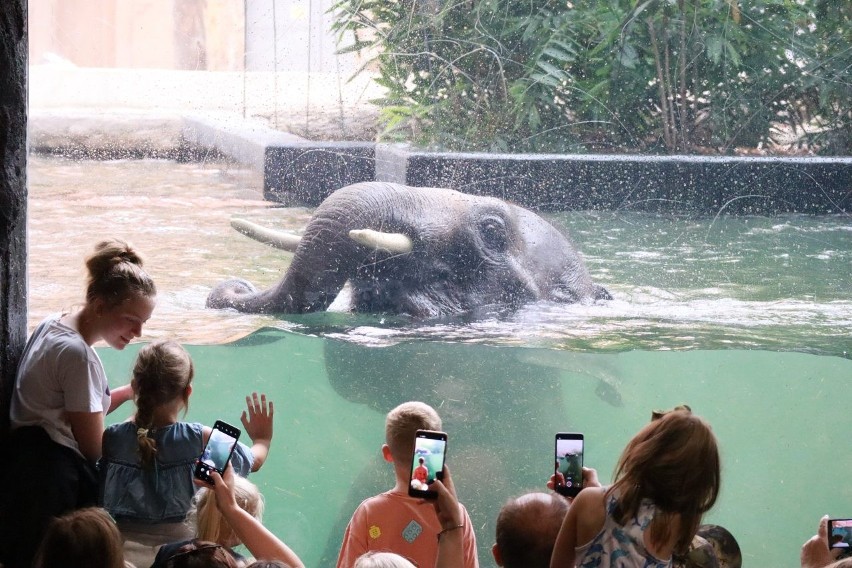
(601, 293)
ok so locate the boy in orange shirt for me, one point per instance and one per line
(392, 521)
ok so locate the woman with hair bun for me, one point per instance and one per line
(61, 396)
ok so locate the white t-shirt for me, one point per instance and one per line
(58, 373)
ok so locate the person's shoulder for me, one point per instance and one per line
(181, 433)
(385, 500)
(590, 497)
(119, 428)
(117, 439)
(194, 427)
(52, 331)
(383, 497)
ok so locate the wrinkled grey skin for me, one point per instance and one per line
(469, 253)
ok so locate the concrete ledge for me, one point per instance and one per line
(304, 172)
(696, 184)
(307, 172)
(244, 141)
(295, 170)
(80, 133)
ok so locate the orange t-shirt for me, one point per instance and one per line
(395, 522)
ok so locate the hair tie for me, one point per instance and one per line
(141, 432)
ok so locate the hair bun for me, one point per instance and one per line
(121, 251)
(109, 254)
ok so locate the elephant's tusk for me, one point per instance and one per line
(277, 239)
(391, 242)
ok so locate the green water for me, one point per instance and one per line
(745, 319)
(782, 419)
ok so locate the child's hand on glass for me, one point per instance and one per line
(257, 418)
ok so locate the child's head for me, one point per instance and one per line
(202, 554)
(211, 526)
(82, 538)
(382, 560)
(162, 376)
(674, 461)
(402, 423)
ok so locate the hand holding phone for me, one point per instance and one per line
(568, 463)
(427, 463)
(840, 537)
(217, 452)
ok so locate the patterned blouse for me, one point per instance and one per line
(621, 546)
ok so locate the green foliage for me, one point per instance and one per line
(606, 75)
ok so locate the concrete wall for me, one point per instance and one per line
(160, 34)
(13, 196)
(289, 35)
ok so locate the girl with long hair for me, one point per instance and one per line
(667, 477)
(147, 468)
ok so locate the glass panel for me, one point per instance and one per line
(162, 122)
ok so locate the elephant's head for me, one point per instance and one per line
(424, 252)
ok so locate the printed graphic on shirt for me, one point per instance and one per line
(412, 531)
(375, 532)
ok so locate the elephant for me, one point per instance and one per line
(416, 251)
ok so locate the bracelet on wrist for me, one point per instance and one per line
(448, 529)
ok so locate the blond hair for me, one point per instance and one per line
(403, 422)
(382, 560)
(116, 274)
(210, 523)
(674, 462)
(162, 373)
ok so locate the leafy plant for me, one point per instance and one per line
(605, 75)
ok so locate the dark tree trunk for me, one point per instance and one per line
(13, 196)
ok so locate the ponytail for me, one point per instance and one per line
(162, 373)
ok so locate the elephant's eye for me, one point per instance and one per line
(493, 231)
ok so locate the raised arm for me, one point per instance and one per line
(451, 537)
(259, 540)
(566, 540)
(257, 421)
(119, 396)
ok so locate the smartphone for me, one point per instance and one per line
(840, 536)
(427, 464)
(217, 452)
(568, 465)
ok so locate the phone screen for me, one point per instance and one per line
(568, 463)
(430, 450)
(217, 452)
(840, 536)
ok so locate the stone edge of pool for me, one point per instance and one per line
(298, 171)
